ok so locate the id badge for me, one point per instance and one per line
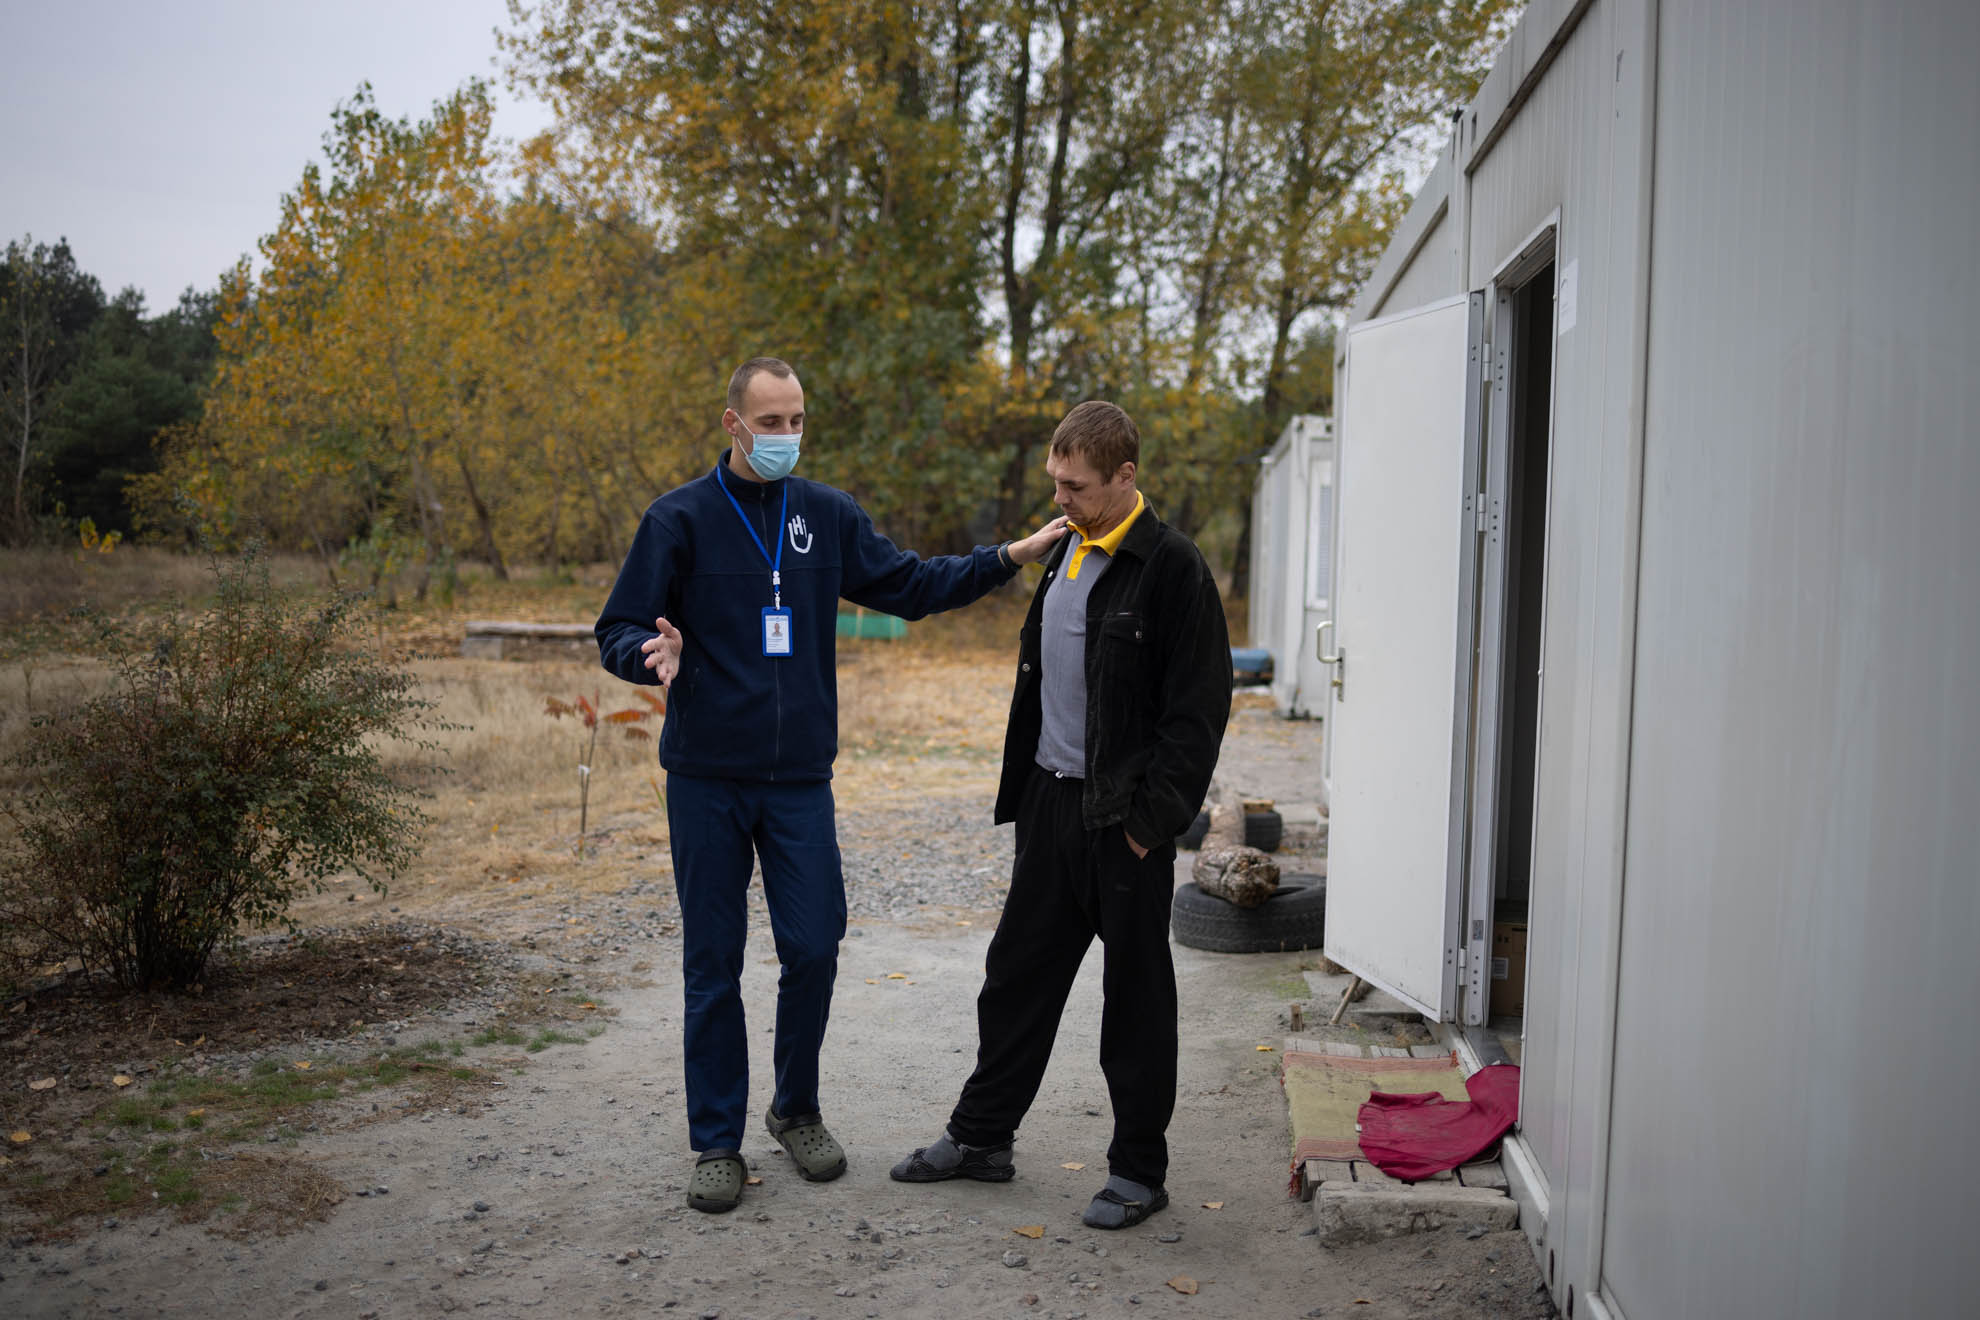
(776, 631)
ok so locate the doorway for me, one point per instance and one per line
(1510, 631)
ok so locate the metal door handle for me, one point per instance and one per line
(1338, 660)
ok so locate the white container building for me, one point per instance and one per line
(1656, 615)
(1292, 544)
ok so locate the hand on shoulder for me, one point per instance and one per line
(1033, 548)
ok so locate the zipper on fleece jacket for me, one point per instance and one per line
(777, 680)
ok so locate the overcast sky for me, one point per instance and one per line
(160, 137)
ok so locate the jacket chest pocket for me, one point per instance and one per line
(1124, 645)
(1123, 630)
(1125, 669)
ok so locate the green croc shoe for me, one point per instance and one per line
(810, 1146)
(717, 1185)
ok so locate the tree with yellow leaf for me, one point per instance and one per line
(955, 219)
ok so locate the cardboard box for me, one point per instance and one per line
(1508, 969)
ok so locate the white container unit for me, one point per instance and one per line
(1656, 615)
(1292, 543)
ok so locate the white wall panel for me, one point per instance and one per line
(1432, 273)
(1794, 1076)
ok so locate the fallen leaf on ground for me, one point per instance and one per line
(873, 980)
(1213, 1205)
(122, 1079)
(1183, 1284)
(1030, 1231)
(45, 1084)
(23, 1138)
(587, 1004)
(201, 1041)
(303, 1064)
(752, 1181)
(965, 923)
(1074, 1165)
(897, 976)
(196, 1113)
(1264, 1049)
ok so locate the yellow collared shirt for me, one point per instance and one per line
(1106, 545)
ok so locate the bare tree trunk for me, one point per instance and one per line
(1019, 296)
(426, 497)
(1284, 313)
(329, 560)
(483, 522)
(1241, 555)
(29, 371)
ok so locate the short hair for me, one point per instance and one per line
(748, 371)
(1102, 434)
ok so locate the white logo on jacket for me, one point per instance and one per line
(798, 529)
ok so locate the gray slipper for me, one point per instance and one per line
(1123, 1204)
(717, 1185)
(803, 1136)
(948, 1158)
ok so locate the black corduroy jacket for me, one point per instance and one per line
(1158, 686)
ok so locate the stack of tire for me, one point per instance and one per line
(1294, 917)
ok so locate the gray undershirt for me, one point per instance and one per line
(1062, 661)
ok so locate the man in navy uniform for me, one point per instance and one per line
(1123, 690)
(729, 599)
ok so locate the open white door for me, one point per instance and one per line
(1406, 459)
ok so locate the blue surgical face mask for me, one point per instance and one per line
(772, 456)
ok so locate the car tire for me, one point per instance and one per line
(1294, 917)
(1192, 838)
(1264, 830)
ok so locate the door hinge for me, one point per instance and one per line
(1478, 510)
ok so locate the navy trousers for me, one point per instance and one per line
(718, 829)
(1068, 885)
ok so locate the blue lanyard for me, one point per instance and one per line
(776, 564)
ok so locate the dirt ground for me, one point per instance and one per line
(500, 1126)
(580, 1166)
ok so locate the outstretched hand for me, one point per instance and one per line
(1032, 548)
(663, 653)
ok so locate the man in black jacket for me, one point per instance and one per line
(1123, 691)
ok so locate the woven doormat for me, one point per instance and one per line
(1324, 1093)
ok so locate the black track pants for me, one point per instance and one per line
(1069, 884)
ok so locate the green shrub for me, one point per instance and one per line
(232, 763)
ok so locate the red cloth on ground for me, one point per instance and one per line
(1413, 1136)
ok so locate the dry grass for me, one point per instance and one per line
(39, 585)
(913, 719)
(923, 715)
(37, 686)
(505, 816)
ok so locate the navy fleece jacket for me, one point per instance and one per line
(733, 712)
